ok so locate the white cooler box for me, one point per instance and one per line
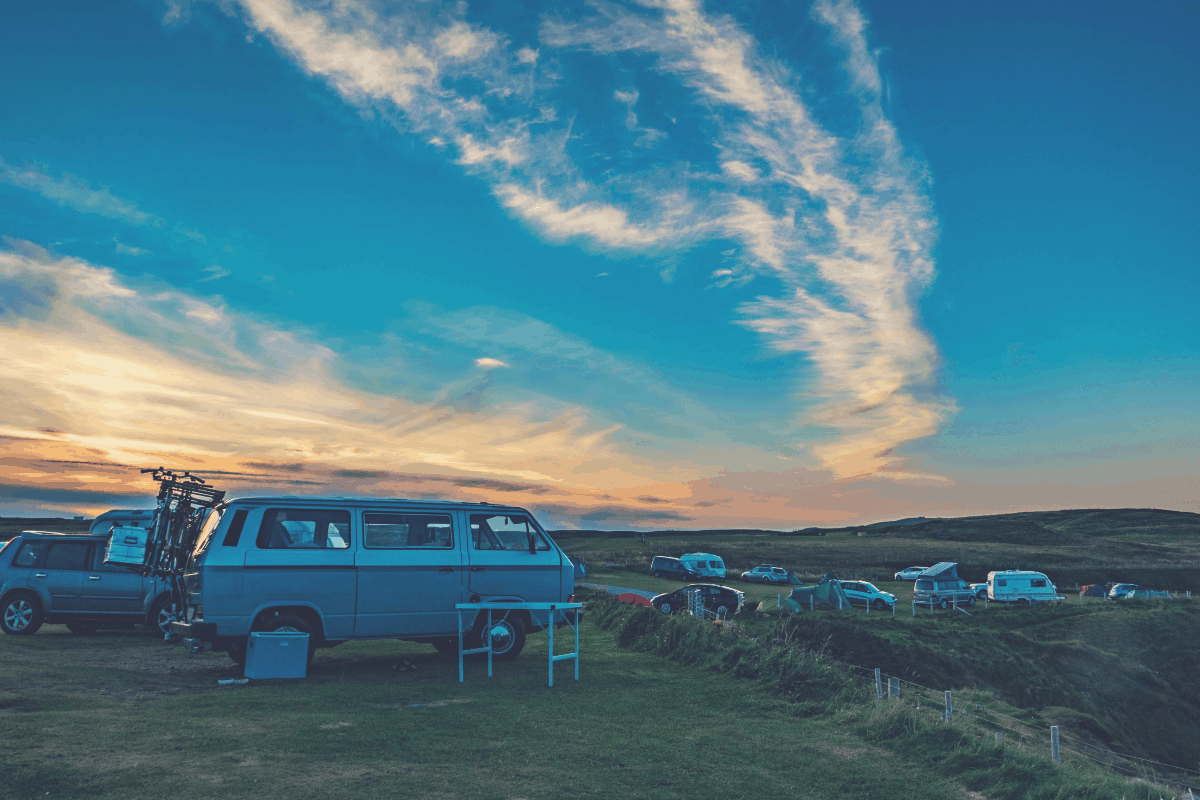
(280, 654)
(127, 545)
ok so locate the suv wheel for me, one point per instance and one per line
(164, 611)
(21, 615)
(879, 605)
(665, 608)
(83, 628)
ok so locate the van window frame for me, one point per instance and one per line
(263, 538)
(452, 543)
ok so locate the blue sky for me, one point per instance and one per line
(728, 265)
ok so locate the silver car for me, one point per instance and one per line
(62, 578)
(909, 573)
(861, 593)
(767, 573)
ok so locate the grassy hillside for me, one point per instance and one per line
(11, 526)
(1147, 546)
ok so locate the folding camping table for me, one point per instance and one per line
(513, 606)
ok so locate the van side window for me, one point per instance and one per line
(504, 532)
(1037, 583)
(1002, 582)
(407, 530)
(304, 528)
(235, 528)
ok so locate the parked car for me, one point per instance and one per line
(1142, 593)
(861, 593)
(766, 573)
(705, 564)
(1021, 587)
(343, 568)
(62, 579)
(1120, 590)
(667, 567)
(717, 599)
(940, 585)
(980, 590)
(910, 573)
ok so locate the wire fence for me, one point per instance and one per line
(1032, 737)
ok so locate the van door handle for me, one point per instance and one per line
(93, 577)
(478, 569)
(40, 575)
(445, 569)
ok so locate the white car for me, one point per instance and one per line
(910, 574)
(767, 573)
(861, 593)
(980, 590)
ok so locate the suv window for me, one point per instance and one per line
(504, 532)
(304, 528)
(31, 554)
(407, 530)
(67, 555)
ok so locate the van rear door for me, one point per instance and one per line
(409, 573)
(501, 563)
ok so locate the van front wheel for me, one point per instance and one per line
(944, 604)
(507, 637)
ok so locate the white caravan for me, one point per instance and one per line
(708, 565)
(1021, 587)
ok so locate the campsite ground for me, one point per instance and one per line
(126, 715)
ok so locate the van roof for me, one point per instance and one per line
(317, 500)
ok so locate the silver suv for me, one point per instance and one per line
(62, 578)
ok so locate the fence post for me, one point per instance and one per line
(879, 685)
(893, 609)
(1054, 743)
(893, 688)
(914, 608)
(985, 601)
(930, 605)
(999, 737)
(812, 602)
(949, 715)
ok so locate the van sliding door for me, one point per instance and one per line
(409, 573)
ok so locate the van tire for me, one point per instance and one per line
(515, 643)
(83, 628)
(1023, 603)
(656, 574)
(286, 621)
(21, 614)
(944, 604)
(971, 601)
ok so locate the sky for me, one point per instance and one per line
(662, 264)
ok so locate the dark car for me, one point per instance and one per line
(62, 578)
(717, 599)
(667, 567)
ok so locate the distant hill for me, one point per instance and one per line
(11, 526)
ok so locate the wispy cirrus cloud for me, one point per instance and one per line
(838, 221)
(75, 193)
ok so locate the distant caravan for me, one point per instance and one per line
(1021, 587)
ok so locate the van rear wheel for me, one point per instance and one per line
(285, 622)
(656, 574)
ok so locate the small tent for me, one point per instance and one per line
(828, 591)
(1094, 590)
